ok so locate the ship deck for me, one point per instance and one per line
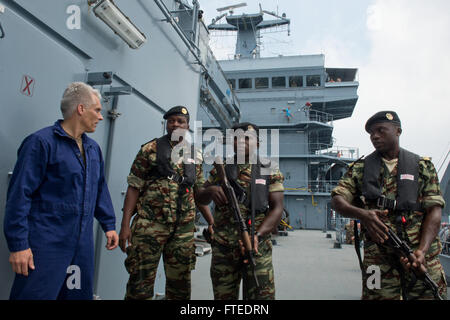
(306, 265)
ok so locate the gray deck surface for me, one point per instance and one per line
(306, 267)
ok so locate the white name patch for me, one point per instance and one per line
(407, 177)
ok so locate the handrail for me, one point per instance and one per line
(189, 44)
(444, 236)
(326, 149)
(313, 186)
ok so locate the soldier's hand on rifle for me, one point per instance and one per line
(378, 232)
(255, 248)
(417, 261)
(256, 244)
(211, 230)
(217, 195)
(124, 236)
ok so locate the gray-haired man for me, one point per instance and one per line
(56, 190)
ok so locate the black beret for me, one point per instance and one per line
(178, 110)
(383, 116)
(245, 126)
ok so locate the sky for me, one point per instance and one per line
(400, 47)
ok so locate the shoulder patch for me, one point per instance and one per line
(355, 162)
(149, 144)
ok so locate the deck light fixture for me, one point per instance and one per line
(110, 14)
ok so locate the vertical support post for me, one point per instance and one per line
(194, 21)
(107, 159)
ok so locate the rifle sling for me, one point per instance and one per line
(358, 245)
(253, 202)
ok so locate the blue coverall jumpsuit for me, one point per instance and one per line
(53, 197)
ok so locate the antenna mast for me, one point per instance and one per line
(248, 28)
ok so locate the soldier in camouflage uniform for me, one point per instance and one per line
(417, 227)
(349, 233)
(227, 265)
(164, 222)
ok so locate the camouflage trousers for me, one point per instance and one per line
(389, 285)
(150, 240)
(227, 270)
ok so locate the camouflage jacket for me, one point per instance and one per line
(350, 187)
(225, 230)
(158, 196)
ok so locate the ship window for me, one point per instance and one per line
(232, 83)
(245, 83)
(295, 81)
(261, 83)
(278, 82)
(313, 81)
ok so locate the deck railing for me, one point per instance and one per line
(319, 116)
(334, 151)
(444, 236)
(313, 186)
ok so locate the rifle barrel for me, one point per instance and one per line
(403, 249)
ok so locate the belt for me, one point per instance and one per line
(385, 203)
(177, 178)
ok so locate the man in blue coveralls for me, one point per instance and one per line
(57, 188)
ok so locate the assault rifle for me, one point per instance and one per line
(240, 222)
(402, 249)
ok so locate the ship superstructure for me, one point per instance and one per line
(301, 98)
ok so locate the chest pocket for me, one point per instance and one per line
(248, 180)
